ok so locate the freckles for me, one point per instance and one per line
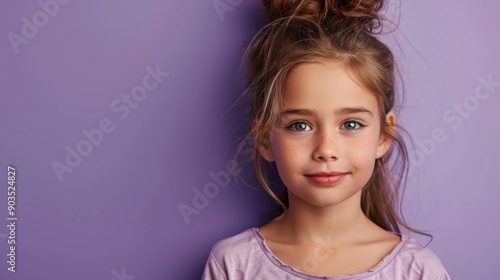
(285, 151)
(362, 151)
(294, 152)
(292, 147)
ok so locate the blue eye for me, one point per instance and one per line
(352, 125)
(300, 126)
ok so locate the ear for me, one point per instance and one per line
(385, 141)
(264, 148)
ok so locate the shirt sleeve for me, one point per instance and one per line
(445, 275)
(437, 274)
(430, 266)
(213, 270)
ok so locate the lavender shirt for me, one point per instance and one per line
(246, 256)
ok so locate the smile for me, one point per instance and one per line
(326, 179)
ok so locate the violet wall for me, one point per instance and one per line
(116, 114)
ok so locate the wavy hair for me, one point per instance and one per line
(303, 31)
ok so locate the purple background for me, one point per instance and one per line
(116, 215)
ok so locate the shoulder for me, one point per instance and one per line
(226, 255)
(419, 260)
(235, 247)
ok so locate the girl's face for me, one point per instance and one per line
(327, 137)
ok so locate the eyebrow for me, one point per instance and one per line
(340, 111)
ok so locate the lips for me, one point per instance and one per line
(326, 178)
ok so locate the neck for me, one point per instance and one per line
(336, 224)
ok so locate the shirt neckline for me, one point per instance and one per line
(359, 275)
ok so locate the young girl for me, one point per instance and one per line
(323, 95)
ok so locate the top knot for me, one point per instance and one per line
(364, 13)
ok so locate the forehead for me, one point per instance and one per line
(326, 85)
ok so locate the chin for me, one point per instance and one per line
(328, 200)
(323, 202)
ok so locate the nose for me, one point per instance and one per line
(325, 148)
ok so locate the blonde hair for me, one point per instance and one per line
(342, 31)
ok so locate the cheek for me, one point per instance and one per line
(284, 151)
(288, 153)
(362, 150)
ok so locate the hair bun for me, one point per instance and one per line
(362, 12)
